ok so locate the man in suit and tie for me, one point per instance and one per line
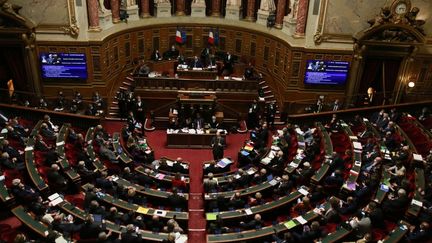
(218, 143)
(336, 105)
(199, 122)
(196, 63)
(228, 64)
(156, 56)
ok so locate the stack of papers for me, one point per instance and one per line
(28, 148)
(251, 171)
(303, 191)
(60, 143)
(417, 203)
(418, 157)
(301, 220)
(293, 164)
(55, 199)
(266, 160)
(357, 146)
(248, 211)
(160, 176)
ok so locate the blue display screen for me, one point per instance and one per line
(326, 72)
(63, 65)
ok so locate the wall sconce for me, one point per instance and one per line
(411, 84)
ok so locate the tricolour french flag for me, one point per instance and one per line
(179, 38)
(211, 37)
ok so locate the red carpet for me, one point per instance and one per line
(196, 157)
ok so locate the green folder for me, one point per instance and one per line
(211, 216)
(290, 224)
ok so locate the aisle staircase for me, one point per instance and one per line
(113, 108)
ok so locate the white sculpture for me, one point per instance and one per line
(130, 3)
(294, 9)
(268, 5)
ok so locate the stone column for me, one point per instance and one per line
(115, 11)
(301, 18)
(290, 20)
(93, 15)
(250, 11)
(180, 7)
(216, 5)
(280, 14)
(145, 9)
(232, 10)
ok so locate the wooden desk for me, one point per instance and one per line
(397, 233)
(118, 149)
(107, 198)
(81, 214)
(336, 236)
(148, 192)
(257, 234)
(352, 178)
(60, 149)
(328, 147)
(197, 74)
(187, 140)
(90, 151)
(56, 116)
(290, 168)
(273, 205)
(37, 179)
(243, 192)
(31, 222)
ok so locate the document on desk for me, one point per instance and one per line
(56, 201)
(290, 224)
(301, 220)
(53, 196)
(142, 210)
(60, 143)
(303, 191)
(248, 211)
(160, 213)
(30, 148)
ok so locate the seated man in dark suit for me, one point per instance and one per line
(90, 229)
(131, 236)
(196, 63)
(420, 234)
(236, 201)
(55, 179)
(255, 223)
(395, 206)
(178, 166)
(311, 235)
(47, 133)
(156, 56)
(23, 193)
(172, 53)
(177, 201)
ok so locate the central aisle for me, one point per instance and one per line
(196, 157)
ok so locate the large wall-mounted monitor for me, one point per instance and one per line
(63, 66)
(320, 72)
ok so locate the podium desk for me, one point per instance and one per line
(188, 140)
(197, 73)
